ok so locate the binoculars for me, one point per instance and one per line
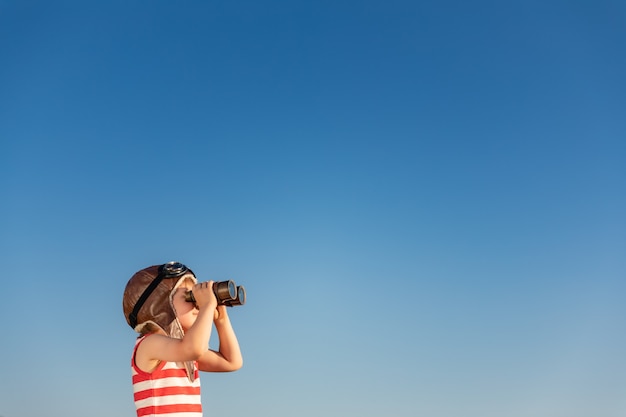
(226, 292)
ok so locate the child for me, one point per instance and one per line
(174, 338)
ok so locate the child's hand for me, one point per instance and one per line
(220, 314)
(204, 295)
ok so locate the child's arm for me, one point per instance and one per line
(229, 357)
(193, 345)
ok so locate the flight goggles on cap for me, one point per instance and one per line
(226, 292)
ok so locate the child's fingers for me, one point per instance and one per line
(203, 292)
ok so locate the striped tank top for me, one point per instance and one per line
(166, 391)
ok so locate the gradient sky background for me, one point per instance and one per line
(424, 200)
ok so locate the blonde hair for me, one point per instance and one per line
(148, 327)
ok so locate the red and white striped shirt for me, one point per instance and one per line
(166, 391)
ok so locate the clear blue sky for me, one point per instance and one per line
(425, 201)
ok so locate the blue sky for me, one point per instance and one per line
(424, 200)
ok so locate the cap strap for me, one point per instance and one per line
(132, 317)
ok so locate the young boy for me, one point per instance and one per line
(174, 338)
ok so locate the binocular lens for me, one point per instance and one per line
(240, 300)
(226, 292)
(241, 295)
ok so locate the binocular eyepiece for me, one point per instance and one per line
(226, 292)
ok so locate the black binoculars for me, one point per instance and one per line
(226, 292)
